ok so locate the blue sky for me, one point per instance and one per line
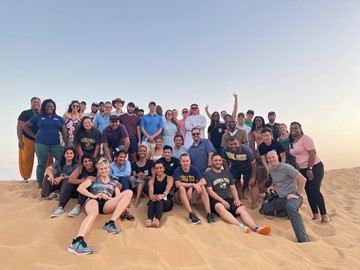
(298, 58)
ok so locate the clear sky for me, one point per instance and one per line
(300, 59)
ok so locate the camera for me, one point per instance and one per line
(271, 196)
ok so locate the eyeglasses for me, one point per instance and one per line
(196, 134)
(194, 108)
(77, 106)
(108, 107)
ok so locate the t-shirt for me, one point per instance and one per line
(199, 154)
(114, 138)
(275, 130)
(145, 169)
(170, 166)
(88, 140)
(66, 169)
(275, 145)
(241, 159)
(220, 182)
(98, 186)
(284, 178)
(131, 122)
(191, 177)
(25, 116)
(300, 151)
(216, 134)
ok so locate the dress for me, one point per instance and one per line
(71, 125)
(170, 130)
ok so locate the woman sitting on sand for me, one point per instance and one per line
(104, 197)
(86, 171)
(57, 174)
(120, 169)
(159, 188)
(142, 171)
(303, 149)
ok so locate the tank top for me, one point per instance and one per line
(99, 186)
(160, 186)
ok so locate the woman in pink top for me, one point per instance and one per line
(303, 149)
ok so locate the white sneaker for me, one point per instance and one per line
(57, 212)
(75, 212)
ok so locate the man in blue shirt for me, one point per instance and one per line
(151, 126)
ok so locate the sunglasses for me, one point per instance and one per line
(194, 108)
(77, 106)
(196, 134)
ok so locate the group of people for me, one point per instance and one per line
(105, 156)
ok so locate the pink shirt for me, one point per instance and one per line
(300, 151)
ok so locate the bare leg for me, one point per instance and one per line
(245, 217)
(239, 188)
(225, 214)
(184, 199)
(139, 189)
(205, 199)
(92, 211)
(118, 204)
(254, 195)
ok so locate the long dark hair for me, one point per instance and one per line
(215, 123)
(291, 139)
(62, 159)
(254, 126)
(88, 156)
(43, 105)
(80, 130)
(72, 103)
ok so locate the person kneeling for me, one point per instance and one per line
(101, 200)
(219, 184)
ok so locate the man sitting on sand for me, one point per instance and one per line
(224, 199)
(191, 189)
(289, 185)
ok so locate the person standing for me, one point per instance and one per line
(47, 140)
(273, 125)
(132, 124)
(26, 143)
(194, 120)
(303, 149)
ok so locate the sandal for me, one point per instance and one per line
(148, 223)
(126, 215)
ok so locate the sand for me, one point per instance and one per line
(31, 240)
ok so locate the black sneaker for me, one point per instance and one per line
(210, 218)
(193, 218)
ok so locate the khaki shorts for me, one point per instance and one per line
(193, 200)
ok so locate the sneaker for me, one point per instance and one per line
(57, 212)
(110, 228)
(193, 218)
(79, 248)
(245, 228)
(75, 212)
(210, 218)
(265, 230)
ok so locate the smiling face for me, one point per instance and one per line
(217, 162)
(234, 145)
(142, 152)
(295, 130)
(121, 159)
(49, 108)
(185, 162)
(69, 155)
(272, 158)
(159, 169)
(36, 104)
(282, 129)
(266, 138)
(87, 163)
(87, 124)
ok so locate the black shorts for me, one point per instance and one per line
(101, 203)
(232, 209)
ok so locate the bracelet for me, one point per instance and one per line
(165, 193)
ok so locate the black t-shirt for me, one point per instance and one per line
(25, 116)
(216, 134)
(88, 140)
(171, 165)
(145, 169)
(275, 130)
(275, 145)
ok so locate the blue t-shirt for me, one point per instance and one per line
(66, 169)
(200, 154)
(191, 177)
(49, 128)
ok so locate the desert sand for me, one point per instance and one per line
(29, 239)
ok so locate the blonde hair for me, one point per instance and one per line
(101, 163)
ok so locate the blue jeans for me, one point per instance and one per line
(42, 151)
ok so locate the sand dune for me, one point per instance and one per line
(29, 239)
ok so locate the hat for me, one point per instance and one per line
(101, 103)
(95, 104)
(118, 100)
(131, 104)
(114, 117)
(250, 112)
(271, 113)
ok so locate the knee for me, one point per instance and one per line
(291, 207)
(128, 193)
(219, 208)
(182, 190)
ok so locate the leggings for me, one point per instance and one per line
(71, 192)
(158, 207)
(312, 188)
